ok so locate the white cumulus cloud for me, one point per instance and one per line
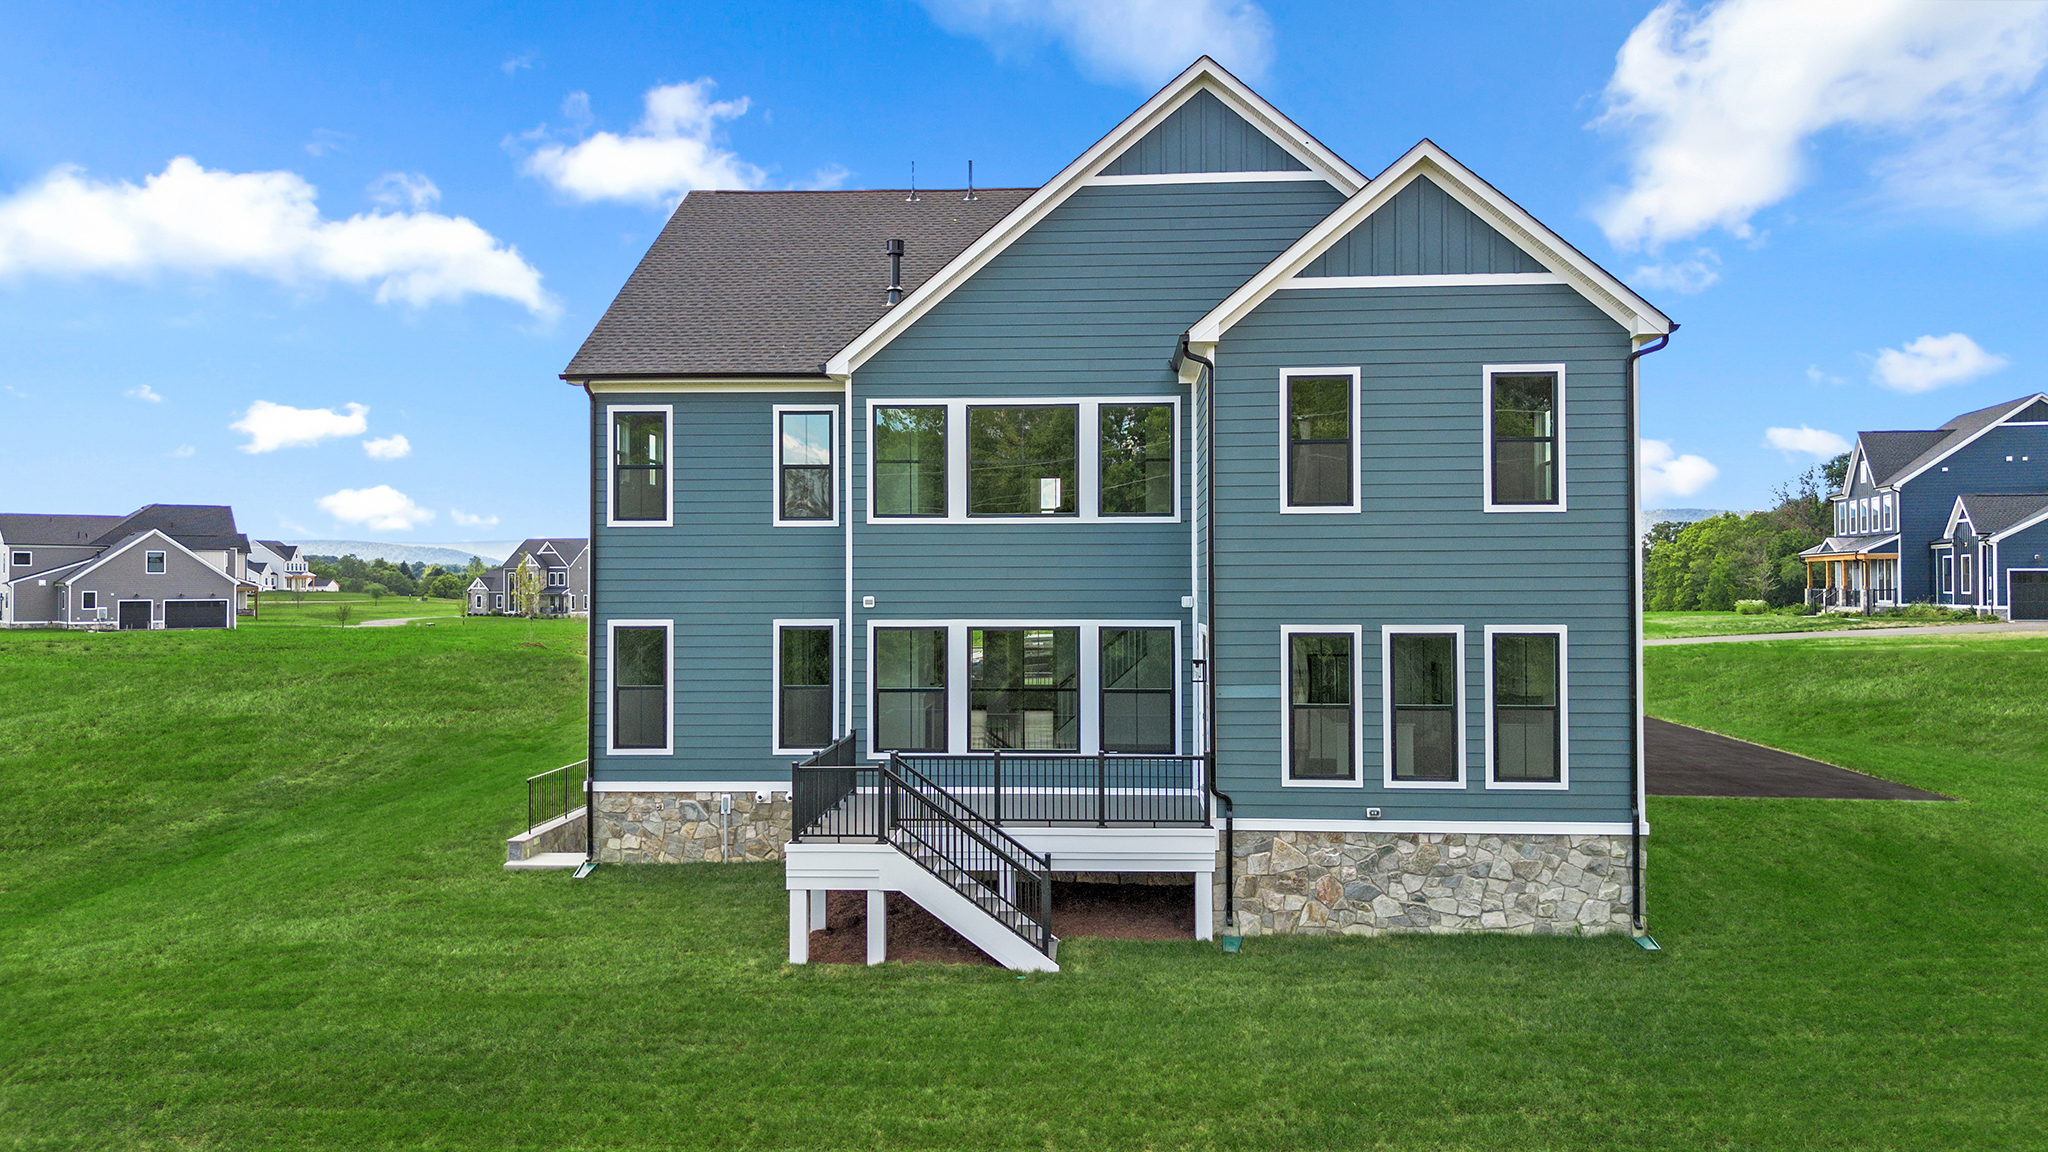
(1131, 41)
(405, 189)
(383, 508)
(393, 447)
(183, 451)
(273, 426)
(1666, 473)
(196, 220)
(1818, 441)
(673, 150)
(1934, 362)
(1722, 102)
(145, 392)
(468, 521)
(1686, 277)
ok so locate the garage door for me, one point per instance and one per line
(195, 613)
(135, 614)
(2029, 595)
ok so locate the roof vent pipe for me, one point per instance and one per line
(970, 183)
(895, 250)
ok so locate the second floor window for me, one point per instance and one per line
(1137, 460)
(910, 690)
(1024, 688)
(23, 559)
(804, 466)
(1021, 461)
(558, 579)
(640, 466)
(910, 461)
(1523, 456)
(153, 563)
(1319, 441)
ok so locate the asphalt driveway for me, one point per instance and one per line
(1682, 761)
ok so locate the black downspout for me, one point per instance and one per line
(1635, 617)
(1209, 618)
(589, 663)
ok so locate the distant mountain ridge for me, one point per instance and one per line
(446, 555)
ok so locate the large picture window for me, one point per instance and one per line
(910, 690)
(1024, 688)
(803, 467)
(1526, 683)
(910, 461)
(640, 687)
(640, 466)
(1322, 710)
(804, 687)
(1425, 737)
(1137, 689)
(1022, 461)
(1525, 438)
(1137, 460)
(1319, 441)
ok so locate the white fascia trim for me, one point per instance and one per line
(611, 667)
(2016, 409)
(713, 384)
(118, 550)
(1486, 374)
(1472, 280)
(2037, 518)
(1296, 177)
(1387, 634)
(1956, 514)
(1605, 292)
(775, 465)
(1357, 442)
(781, 785)
(1446, 827)
(1563, 782)
(1202, 74)
(1357, 635)
(775, 628)
(611, 461)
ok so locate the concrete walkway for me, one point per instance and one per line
(397, 621)
(1861, 633)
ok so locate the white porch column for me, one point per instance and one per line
(818, 909)
(1205, 905)
(878, 926)
(799, 926)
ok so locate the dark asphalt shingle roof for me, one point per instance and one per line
(775, 283)
(200, 527)
(38, 528)
(1893, 454)
(1992, 514)
(1869, 543)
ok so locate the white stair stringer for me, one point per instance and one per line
(882, 867)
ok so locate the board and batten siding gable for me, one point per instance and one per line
(723, 573)
(1422, 231)
(1980, 466)
(1422, 551)
(1203, 135)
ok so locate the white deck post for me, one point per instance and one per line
(799, 926)
(818, 910)
(878, 925)
(1205, 905)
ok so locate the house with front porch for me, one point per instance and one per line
(544, 576)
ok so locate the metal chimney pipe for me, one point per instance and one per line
(895, 250)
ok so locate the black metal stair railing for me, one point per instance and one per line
(555, 792)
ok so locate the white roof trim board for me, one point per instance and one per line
(2031, 521)
(127, 545)
(1593, 282)
(1957, 514)
(1203, 74)
(2018, 407)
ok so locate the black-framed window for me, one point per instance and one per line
(910, 689)
(23, 559)
(1022, 460)
(1321, 709)
(1318, 441)
(640, 466)
(1137, 460)
(1525, 435)
(804, 471)
(1024, 688)
(558, 579)
(910, 461)
(1527, 707)
(153, 563)
(639, 687)
(806, 688)
(1137, 689)
(1423, 677)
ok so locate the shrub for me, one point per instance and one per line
(1751, 607)
(342, 612)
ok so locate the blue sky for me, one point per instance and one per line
(345, 310)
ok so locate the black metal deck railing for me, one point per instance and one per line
(555, 792)
(1108, 790)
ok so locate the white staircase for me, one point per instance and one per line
(880, 868)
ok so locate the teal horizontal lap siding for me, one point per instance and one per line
(1203, 135)
(1422, 551)
(1927, 500)
(722, 575)
(1422, 231)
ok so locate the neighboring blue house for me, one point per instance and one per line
(1950, 515)
(1210, 509)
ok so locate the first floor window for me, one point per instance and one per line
(1137, 460)
(910, 461)
(153, 563)
(639, 687)
(1024, 688)
(1527, 735)
(1948, 568)
(1422, 686)
(1320, 711)
(1318, 441)
(806, 688)
(804, 465)
(1022, 461)
(89, 600)
(910, 689)
(1137, 690)
(500, 598)
(1964, 583)
(1523, 456)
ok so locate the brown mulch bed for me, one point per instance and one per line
(1115, 911)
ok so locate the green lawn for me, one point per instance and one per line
(250, 896)
(1662, 625)
(321, 608)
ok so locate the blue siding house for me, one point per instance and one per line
(1212, 512)
(1948, 515)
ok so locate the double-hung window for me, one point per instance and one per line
(1137, 460)
(804, 491)
(89, 600)
(1524, 415)
(1024, 688)
(1319, 440)
(910, 461)
(641, 699)
(153, 563)
(1137, 673)
(910, 690)
(1423, 669)
(803, 685)
(1022, 460)
(640, 456)
(1525, 670)
(1321, 733)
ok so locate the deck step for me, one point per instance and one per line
(546, 860)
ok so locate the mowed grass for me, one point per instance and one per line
(1665, 625)
(280, 609)
(250, 896)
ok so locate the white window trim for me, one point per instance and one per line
(1564, 708)
(1357, 634)
(158, 554)
(21, 558)
(1090, 686)
(611, 463)
(1486, 374)
(775, 464)
(88, 594)
(775, 682)
(152, 609)
(1357, 443)
(1387, 634)
(1088, 463)
(611, 664)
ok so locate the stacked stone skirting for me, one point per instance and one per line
(680, 827)
(1367, 883)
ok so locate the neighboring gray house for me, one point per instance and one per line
(1947, 515)
(560, 579)
(163, 566)
(1210, 509)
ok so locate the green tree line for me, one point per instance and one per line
(383, 577)
(1709, 564)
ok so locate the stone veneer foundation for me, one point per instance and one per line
(679, 827)
(1366, 883)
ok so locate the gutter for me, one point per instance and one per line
(1635, 620)
(589, 669)
(1181, 353)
